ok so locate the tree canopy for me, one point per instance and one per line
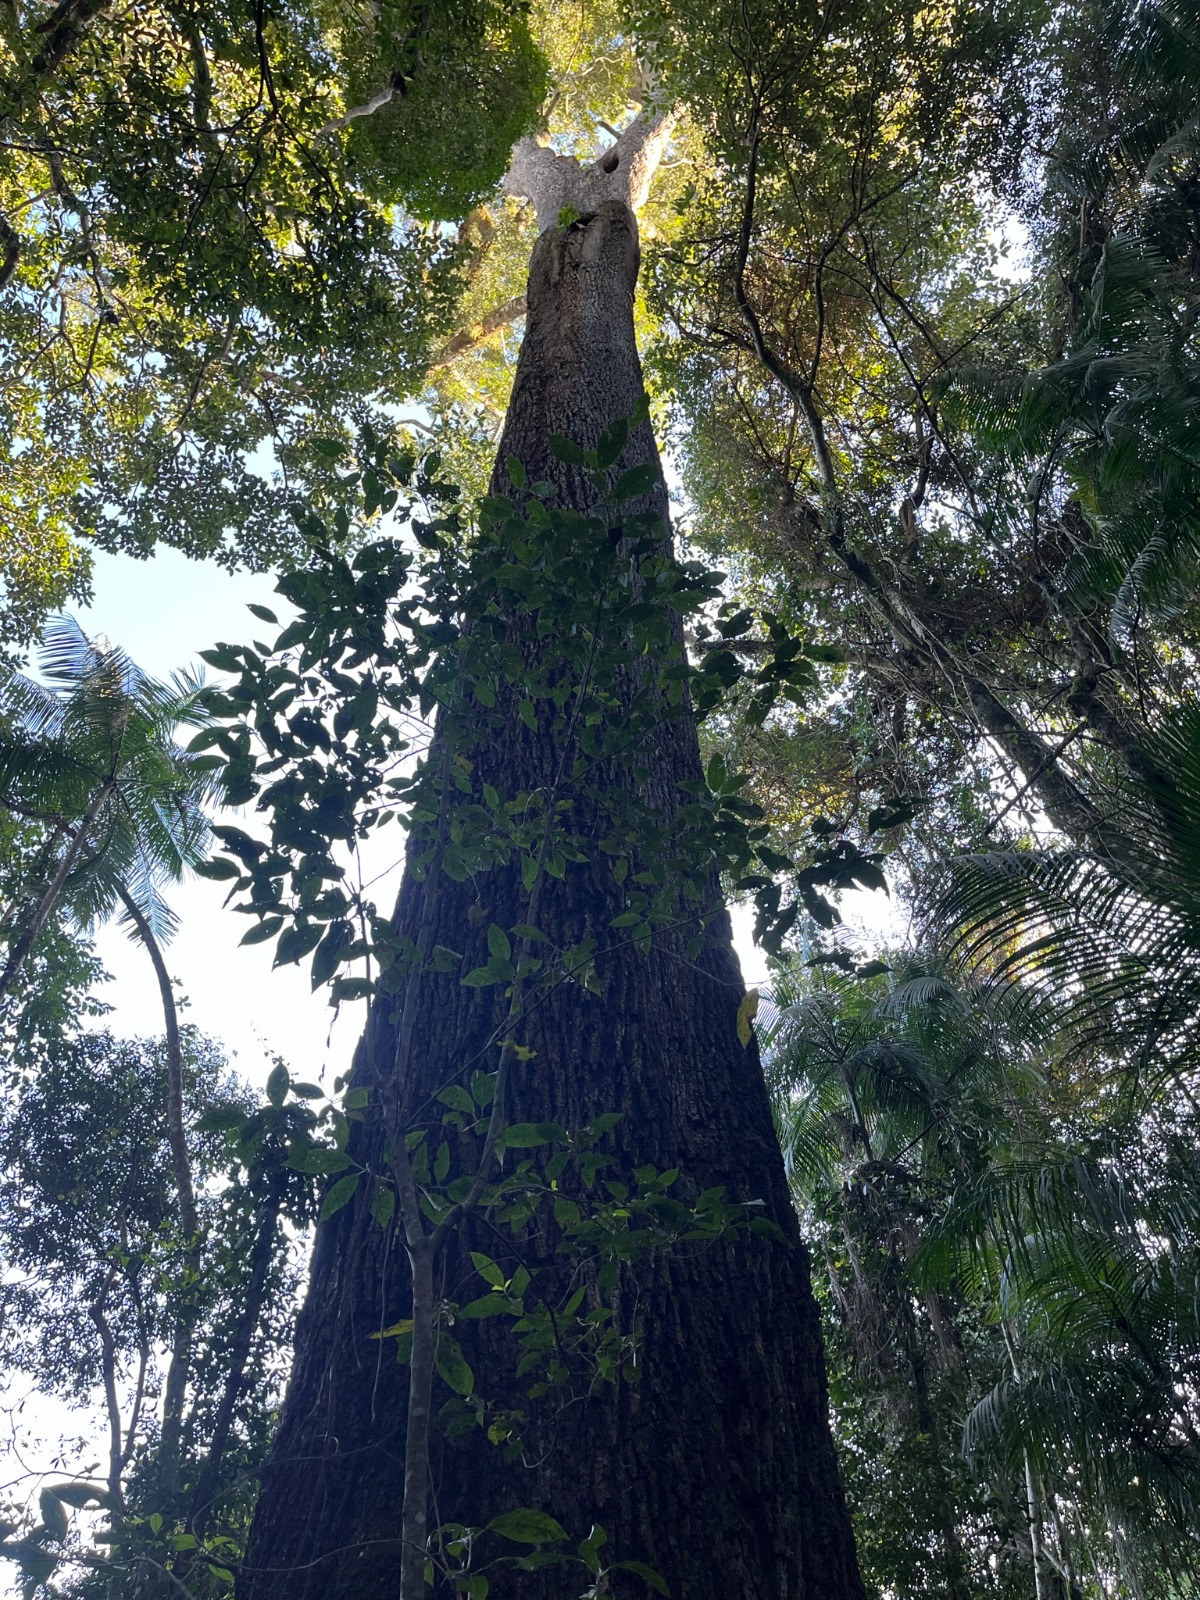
(221, 254)
(917, 308)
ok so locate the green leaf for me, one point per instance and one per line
(223, 657)
(649, 1577)
(528, 1527)
(328, 956)
(383, 1205)
(528, 715)
(636, 482)
(297, 942)
(891, 816)
(457, 1098)
(768, 1229)
(395, 1330)
(266, 929)
(487, 1269)
(452, 1365)
(353, 988)
(499, 943)
(567, 450)
(340, 1195)
(589, 1549)
(611, 442)
(732, 626)
(724, 666)
(746, 1013)
(516, 472)
(528, 1135)
(222, 1119)
(217, 868)
(488, 1305)
(278, 1082)
(319, 1159)
(484, 977)
(262, 613)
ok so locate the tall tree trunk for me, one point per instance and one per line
(716, 1467)
(189, 1220)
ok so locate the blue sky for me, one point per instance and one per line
(163, 612)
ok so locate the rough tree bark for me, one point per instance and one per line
(717, 1467)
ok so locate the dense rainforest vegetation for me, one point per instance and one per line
(354, 295)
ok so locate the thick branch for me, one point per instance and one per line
(475, 333)
(382, 97)
(556, 183)
(394, 89)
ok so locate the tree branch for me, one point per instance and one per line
(382, 97)
(623, 172)
(476, 333)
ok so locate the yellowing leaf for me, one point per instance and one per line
(745, 1016)
(521, 1051)
(395, 1331)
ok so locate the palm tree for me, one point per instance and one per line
(881, 1091)
(90, 753)
(1088, 1247)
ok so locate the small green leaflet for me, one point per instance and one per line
(452, 1365)
(528, 1527)
(340, 1195)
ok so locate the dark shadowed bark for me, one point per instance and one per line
(716, 1466)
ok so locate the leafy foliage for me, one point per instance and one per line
(89, 753)
(214, 267)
